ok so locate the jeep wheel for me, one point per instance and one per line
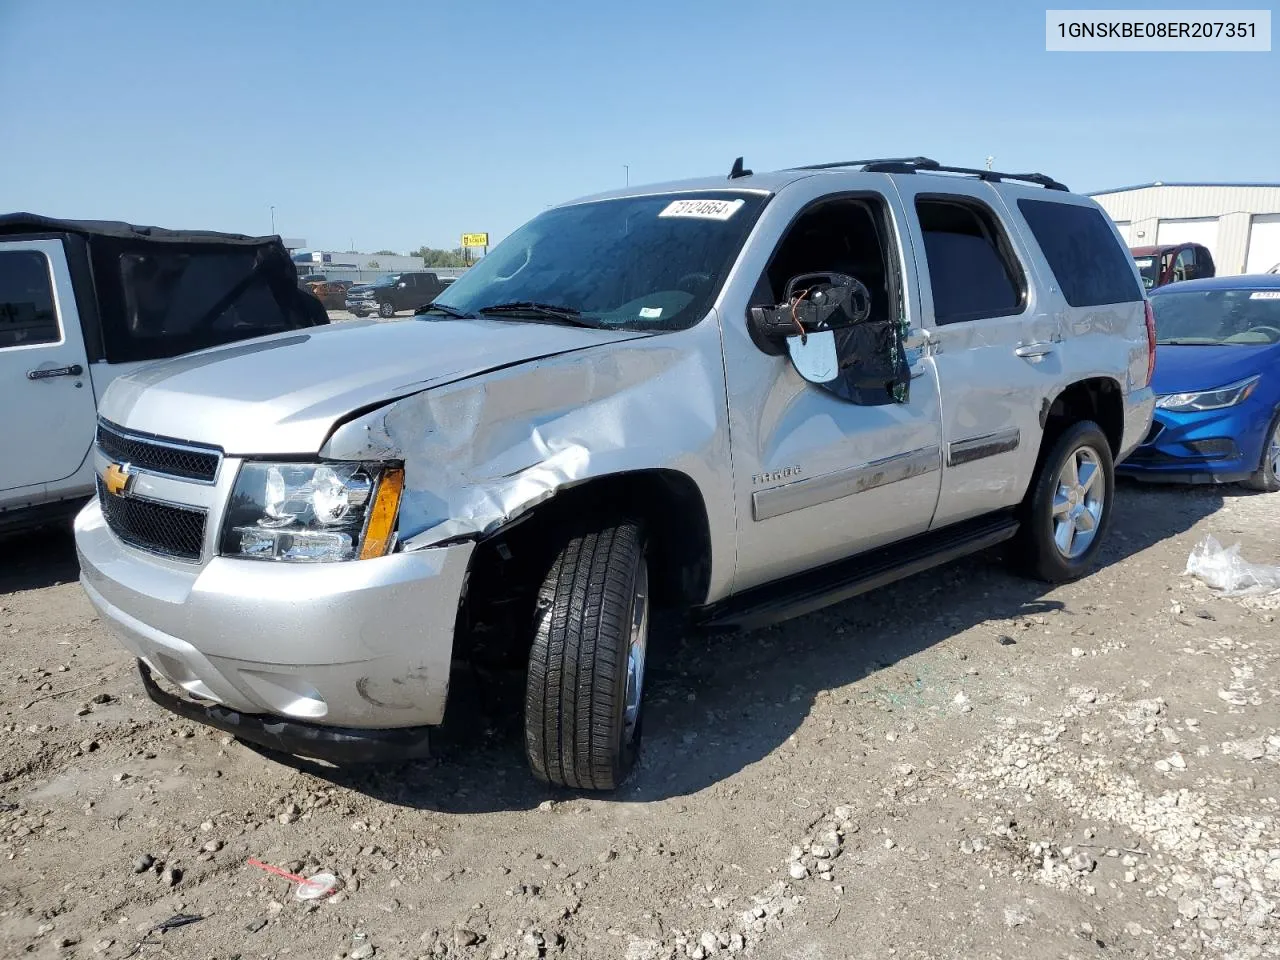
(582, 706)
(1068, 509)
(386, 310)
(1267, 477)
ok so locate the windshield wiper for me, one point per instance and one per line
(1188, 341)
(442, 308)
(529, 309)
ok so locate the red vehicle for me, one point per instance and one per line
(1171, 262)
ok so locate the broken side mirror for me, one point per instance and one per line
(824, 326)
(814, 306)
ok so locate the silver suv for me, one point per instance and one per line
(740, 398)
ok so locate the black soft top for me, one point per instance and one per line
(19, 223)
(147, 293)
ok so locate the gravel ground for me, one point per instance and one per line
(963, 764)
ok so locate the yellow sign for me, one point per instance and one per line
(475, 239)
(116, 478)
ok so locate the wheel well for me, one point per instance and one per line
(508, 565)
(1098, 399)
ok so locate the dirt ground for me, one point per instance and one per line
(965, 764)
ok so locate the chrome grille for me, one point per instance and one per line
(162, 528)
(158, 454)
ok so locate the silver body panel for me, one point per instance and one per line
(492, 418)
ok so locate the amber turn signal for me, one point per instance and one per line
(382, 518)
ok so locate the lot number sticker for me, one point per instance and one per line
(1265, 295)
(702, 209)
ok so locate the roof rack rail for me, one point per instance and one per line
(926, 165)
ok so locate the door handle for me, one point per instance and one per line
(922, 339)
(1034, 350)
(74, 370)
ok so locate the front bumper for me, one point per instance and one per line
(1215, 446)
(362, 308)
(364, 644)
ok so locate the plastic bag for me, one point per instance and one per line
(1224, 569)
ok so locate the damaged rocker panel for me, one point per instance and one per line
(979, 448)
(776, 501)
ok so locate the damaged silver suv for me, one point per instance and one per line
(741, 398)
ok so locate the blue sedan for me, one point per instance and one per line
(1217, 383)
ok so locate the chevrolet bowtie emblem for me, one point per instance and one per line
(116, 478)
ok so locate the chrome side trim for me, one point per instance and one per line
(799, 494)
(978, 448)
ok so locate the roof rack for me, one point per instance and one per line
(926, 165)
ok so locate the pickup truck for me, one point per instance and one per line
(82, 302)
(404, 291)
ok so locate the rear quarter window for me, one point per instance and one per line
(1087, 260)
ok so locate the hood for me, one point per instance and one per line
(1180, 369)
(283, 394)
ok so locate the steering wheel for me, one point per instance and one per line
(698, 275)
(1273, 330)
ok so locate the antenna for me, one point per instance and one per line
(738, 170)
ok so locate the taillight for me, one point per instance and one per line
(1151, 342)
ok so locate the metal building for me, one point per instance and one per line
(1238, 222)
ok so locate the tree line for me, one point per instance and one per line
(431, 256)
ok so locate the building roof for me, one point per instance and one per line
(1249, 281)
(1159, 183)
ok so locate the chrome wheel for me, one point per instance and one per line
(1273, 451)
(636, 649)
(1078, 502)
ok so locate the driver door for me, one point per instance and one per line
(818, 478)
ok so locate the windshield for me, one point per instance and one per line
(1149, 267)
(1242, 317)
(641, 263)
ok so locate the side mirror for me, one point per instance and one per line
(813, 303)
(402, 284)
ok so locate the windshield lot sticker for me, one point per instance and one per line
(702, 209)
(1265, 295)
(650, 313)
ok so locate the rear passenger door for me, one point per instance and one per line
(994, 341)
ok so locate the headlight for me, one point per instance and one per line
(1227, 396)
(308, 512)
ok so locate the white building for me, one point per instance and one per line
(1238, 222)
(362, 267)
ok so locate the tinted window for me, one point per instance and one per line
(185, 294)
(972, 271)
(27, 314)
(1086, 259)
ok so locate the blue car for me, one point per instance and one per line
(1217, 383)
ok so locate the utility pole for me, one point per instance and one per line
(626, 167)
(273, 220)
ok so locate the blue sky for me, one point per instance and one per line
(397, 124)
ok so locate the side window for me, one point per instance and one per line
(972, 269)
(1090, 266)
(1184, 266)
(27, 314)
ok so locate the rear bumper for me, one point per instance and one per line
(363, 644)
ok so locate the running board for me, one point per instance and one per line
(804, 593)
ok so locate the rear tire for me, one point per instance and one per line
(1068, 509)
(585, 685)
(1267, 477)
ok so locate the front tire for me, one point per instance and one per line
(1068, 509)
(386, 310)
(1267, 477)
(585, 686)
